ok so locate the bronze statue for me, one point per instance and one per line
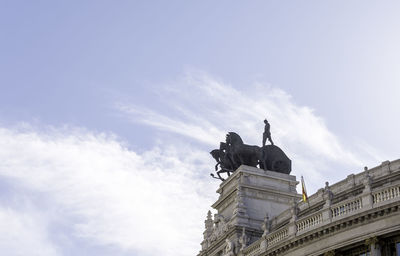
(267, 133)
(240, 152)
(223, 161)
(233, 152)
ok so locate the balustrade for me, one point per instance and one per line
(252, 250)
(309, 222)
(386, 194)
(276, 237)
(346, 208)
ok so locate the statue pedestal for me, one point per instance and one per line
(250, 193)
(245, 198)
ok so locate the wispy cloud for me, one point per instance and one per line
(94, 190)
(205, 109)
(108, 195)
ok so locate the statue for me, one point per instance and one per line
(244, 240)
(274, 159)
(267, 133)
(229, 249)
(328, 195)
(266, 227)
(233, 153)
(223, 161)
(240, 152)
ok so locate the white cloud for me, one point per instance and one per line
(151, 203)
(205, 109)
(24, 233)
(154, 202)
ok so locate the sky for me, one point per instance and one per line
(108, 110)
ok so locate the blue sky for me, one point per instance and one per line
(108, 110)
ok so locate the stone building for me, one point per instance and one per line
(260, 213)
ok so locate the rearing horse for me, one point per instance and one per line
(223, 161)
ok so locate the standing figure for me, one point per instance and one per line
(266, 226)
(267, 134)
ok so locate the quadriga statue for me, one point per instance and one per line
(233, 153)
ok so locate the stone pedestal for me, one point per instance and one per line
(250, 193)
(245, 198)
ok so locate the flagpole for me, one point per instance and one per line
(304, 191)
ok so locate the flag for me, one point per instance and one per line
(303, 190)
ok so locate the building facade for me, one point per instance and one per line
(260, 213)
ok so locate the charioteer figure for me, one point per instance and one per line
(267, 133)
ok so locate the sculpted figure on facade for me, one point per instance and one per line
(367, 181)
(328, 195)
(219, 228)
(209, 224)
(266, 226)
(229, 248)
(244, 239)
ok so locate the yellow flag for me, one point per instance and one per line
(303, 190)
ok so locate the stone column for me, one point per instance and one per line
(329, 253)
(374, 246)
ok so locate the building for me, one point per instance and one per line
(260, 213)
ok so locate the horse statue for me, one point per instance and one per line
(233, 153)
(242, 153)
(223, 161)
(274, 159)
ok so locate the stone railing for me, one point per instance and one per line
(309, 222)
(253, 250)
(386, 194)
(352, 182)
(318, 210)
(271, 239)
(346, 207)
(277, 236)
